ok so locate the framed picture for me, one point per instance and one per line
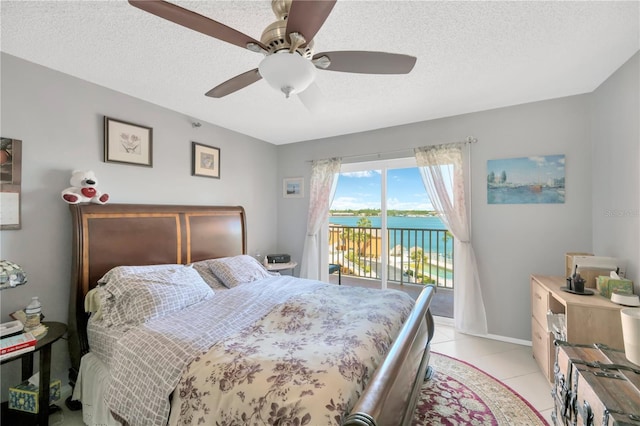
(205, 160)
(127, 143)
(526, 180)
(10, 183)
(293, 187)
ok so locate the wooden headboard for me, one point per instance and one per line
(109, 235)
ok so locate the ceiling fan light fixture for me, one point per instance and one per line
(287, 72)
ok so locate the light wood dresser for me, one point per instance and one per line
(589, 319)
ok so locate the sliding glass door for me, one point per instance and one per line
(382, 227)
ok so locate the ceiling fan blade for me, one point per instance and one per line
(195, 21)
(234, 84)
(307, 16)
(312, 98)
(364, 62)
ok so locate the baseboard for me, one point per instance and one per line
(450, 323)
(443, 321)
(509, 339)
(503, 339)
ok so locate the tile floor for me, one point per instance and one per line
(511, 363)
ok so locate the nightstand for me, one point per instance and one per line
(55, 331)
(279, 267)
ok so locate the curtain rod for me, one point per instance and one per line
(469, 140)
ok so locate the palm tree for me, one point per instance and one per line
(416, 254)
(449, 253)
(446, 237)
(364, 222)
(420, 259)
(356, 235)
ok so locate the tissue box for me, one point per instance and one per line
(607, 285)
(24, 397)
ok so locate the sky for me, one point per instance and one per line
(527, 170)
(361, 190)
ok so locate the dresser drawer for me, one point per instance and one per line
(539, 302)
(543, 348)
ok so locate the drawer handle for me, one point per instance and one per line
(538, 296)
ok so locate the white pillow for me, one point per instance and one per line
(236, 270)
(135, 294)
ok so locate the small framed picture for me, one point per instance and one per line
(127, 143)
(293, 187)
(10, 161)
(10, 183)
(205, 160)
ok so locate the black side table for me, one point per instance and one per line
(55, 331)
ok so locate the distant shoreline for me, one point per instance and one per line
(404, 221)
(377, 213)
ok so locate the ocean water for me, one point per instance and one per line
(524, 195)
(430, 222)
(429, 242)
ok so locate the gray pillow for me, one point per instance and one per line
(204, 269)
(133, 295)
(236, 270)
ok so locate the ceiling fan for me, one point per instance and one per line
(289, 64)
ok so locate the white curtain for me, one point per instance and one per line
(446, 189)
(324, 175)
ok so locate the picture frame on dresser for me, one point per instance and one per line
(10, 183)
(127, 143)
(205, 160)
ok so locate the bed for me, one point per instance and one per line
(384, 361)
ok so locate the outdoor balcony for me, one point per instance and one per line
(441, 304)
(417, 257)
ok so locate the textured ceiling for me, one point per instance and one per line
(471, 56)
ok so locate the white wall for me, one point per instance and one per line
(599, 135)
(59, 120)
(615, 129)
(511, 241)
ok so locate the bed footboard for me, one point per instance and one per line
(390, 397)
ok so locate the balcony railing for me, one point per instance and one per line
(416, 256)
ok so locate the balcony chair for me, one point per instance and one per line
(333, 267)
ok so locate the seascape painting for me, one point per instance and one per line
(526, 180)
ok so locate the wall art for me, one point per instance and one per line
(10, 183)
(526, 180)
(205, 160)
(293, 187)
(127, 143)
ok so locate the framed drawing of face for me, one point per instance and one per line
(205, 160)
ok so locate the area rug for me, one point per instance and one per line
(460, 394)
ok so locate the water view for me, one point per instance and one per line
(420, 248)
(405, 223)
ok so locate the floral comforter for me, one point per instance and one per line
(305, 363)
